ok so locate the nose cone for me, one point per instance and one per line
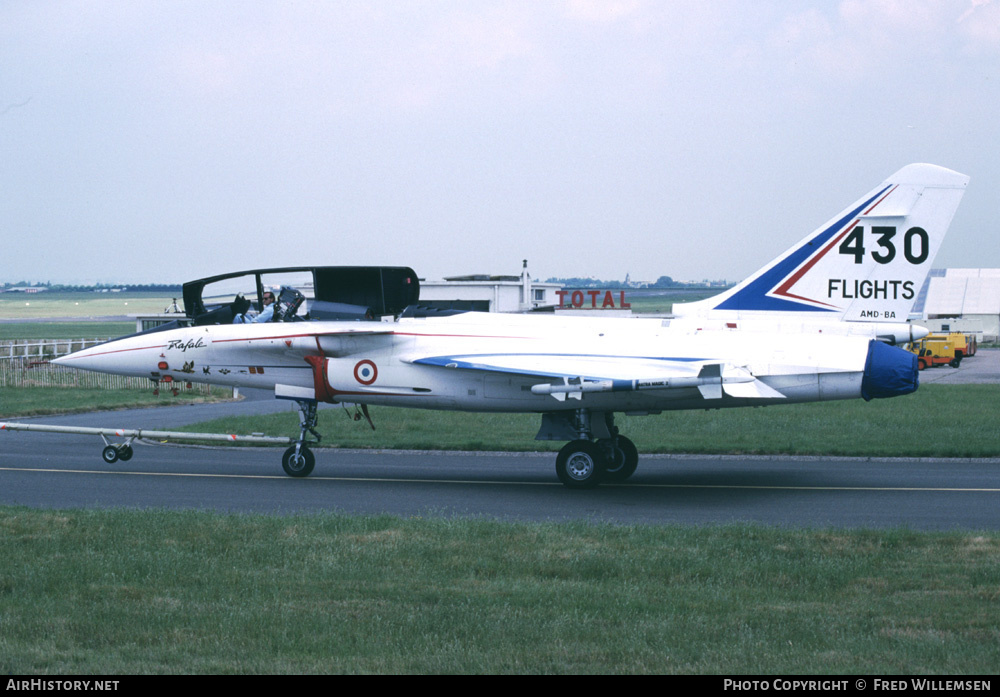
(85, 359)
(70, 360)
(118, 357)
(889, 372)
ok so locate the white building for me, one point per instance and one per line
(963, 299)
(484, 293)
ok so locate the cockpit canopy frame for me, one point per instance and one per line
(337, 292)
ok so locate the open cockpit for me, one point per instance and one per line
(307, 293)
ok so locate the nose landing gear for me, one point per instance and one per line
(298, 460)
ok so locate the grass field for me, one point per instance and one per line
(663, 301)
(38, 401)
(47, 305)
(126, 592)
(901, 427)
(27, 331)
(905, 426)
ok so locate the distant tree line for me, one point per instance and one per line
(585, 283)
(661, 282)
(129, 287)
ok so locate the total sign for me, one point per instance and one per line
(577, 299)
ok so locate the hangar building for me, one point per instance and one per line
(483, 293)
(961, 300)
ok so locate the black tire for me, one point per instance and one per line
(581, 464)
(623, 458)
(125, 453)
(955, 362)
(110, 454)
(301, 466)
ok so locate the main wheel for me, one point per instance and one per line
(110, 454)
(125, 453)
(298, 465)
(581, 464)
(623, 458)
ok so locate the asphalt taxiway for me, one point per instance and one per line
(62, 471)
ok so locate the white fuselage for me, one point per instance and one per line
(486, 362)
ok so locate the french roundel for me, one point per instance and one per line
(365, 372)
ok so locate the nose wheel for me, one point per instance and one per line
(298, 461)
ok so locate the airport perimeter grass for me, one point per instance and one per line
(50, 304)
(45, 331)
(936, 421)
(126, 592)
(16, 402)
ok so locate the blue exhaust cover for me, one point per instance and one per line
(889, 372)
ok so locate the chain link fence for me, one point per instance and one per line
(26, 364)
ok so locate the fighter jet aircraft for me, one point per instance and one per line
(817, 323)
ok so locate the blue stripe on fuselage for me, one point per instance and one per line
(479, 362)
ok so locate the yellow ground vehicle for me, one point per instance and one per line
(971, 344)
(938, 349)
(965, 344)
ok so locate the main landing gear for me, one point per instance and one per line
(584, 463)
(298, 460)
(597, 453)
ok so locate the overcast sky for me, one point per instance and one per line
(166, 141)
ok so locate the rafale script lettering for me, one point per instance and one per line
(185, 345)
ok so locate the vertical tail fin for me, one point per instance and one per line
(867, 263)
